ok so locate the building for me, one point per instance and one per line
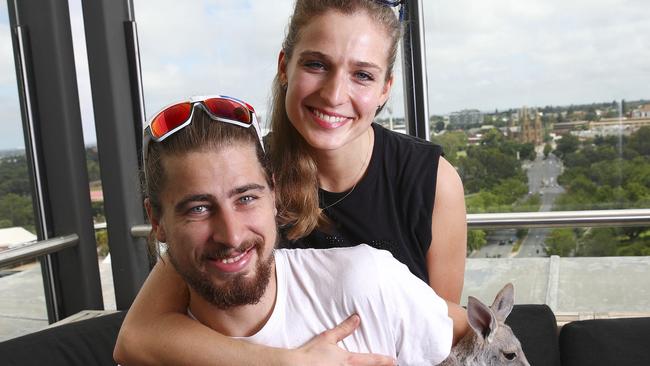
(531, 126)
(12, 237)
(642, 112)
(562, 128)
(466, 118)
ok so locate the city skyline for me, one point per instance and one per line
(499, 55)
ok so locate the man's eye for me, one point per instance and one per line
(247, 199)
(199, 209)
(314, 65)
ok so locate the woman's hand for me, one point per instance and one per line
(323, 349)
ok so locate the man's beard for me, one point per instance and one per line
(236, 290)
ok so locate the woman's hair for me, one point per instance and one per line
(294, 169)
(202, 134)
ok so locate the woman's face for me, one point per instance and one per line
(336, 78)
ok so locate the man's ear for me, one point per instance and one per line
(157, 228)
(282, 68)
(275, 205)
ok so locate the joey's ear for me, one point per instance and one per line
(503, 302)
(481, 319)
(156, 227)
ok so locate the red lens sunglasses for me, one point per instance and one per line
(178, 115)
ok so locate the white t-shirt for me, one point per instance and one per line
(400, 315)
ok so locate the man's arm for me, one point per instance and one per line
(157, 331)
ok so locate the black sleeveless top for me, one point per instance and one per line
(391, 207)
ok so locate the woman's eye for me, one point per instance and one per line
(364, 76)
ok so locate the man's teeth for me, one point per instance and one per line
(327, 118)
(233, 259)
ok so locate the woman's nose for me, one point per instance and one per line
(334, 89)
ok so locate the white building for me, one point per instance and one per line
(12, 237)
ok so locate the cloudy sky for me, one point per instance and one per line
(482, 54)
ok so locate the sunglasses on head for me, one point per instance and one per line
(220, 108)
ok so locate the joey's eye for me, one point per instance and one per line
(509, 355)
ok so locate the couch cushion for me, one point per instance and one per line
(85, 342)
(606, 342)
(536, 328)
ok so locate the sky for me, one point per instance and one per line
(481, 54)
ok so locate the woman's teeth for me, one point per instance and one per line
(327, 118)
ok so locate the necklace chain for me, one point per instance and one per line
(358, 177)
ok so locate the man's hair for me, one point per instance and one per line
(202, 134)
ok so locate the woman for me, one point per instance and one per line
(340, 180)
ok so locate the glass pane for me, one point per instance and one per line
(206, 47)
(544, 106)
(22, 304)
(200, 47)
(392, 116)
(92, 154)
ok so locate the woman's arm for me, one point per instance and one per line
(157, 331)
(446, 255)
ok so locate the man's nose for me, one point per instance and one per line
(227, 228)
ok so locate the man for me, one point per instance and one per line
(210, 199)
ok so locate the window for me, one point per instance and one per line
(22, 304)
(542, 106)
(203, 47)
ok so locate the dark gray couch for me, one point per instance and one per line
(581, 343)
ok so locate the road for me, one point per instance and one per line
(542, 179)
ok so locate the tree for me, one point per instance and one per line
(547, 150)
(640, 141)
(591, 114)
(440, 125)
(566, 145)
(475, 240)
(598, 242)
(17, 210)
(560, 242)
(101, 237)
(452, 142)
(527, 151)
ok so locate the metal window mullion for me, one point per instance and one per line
(415, 76)
(114, 65)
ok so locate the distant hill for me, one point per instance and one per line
(11, 152)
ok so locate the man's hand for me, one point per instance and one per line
(323, 349)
